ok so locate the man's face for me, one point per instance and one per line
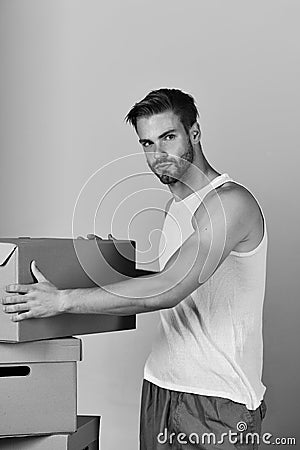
(165, 140)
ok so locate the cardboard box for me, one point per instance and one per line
(67, 263)
(38, 387)
(85, 438)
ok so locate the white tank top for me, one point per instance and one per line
(211, 342)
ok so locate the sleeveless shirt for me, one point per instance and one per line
(211, 342)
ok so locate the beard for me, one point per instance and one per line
(181, 166)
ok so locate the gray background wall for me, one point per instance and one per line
(70, 70)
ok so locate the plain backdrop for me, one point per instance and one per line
(70, 71)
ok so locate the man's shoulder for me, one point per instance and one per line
(237, 195)
(231, 199)
(240, 197)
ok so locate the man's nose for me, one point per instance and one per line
(158, 151)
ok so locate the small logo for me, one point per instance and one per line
(241, 426)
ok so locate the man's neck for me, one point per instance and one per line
(198, 175)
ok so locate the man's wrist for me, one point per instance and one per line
(64, 301)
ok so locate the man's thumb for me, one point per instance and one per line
(37, 274)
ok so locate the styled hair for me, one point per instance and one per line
(162, 100)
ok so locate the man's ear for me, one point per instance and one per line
(195, 133)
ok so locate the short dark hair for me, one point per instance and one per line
(162, 100)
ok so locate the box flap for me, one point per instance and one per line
(6, 250)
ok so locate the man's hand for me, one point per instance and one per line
(41, 299)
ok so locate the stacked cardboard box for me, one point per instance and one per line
(85, 438)
(67, 263)
(36, 380)
(38, 357)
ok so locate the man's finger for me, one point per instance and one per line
(37, 273)
(15, 308)
(13, 299)
(93, 236)
(25, 315)
(18, 288)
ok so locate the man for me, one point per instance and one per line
(203, 376)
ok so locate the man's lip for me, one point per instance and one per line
(163, 164)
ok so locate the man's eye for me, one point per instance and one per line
(170, 137)
(146, 144)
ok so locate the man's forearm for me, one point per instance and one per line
(133, 296)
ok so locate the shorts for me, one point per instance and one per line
(184, 421)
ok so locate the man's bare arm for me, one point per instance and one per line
(220, 224)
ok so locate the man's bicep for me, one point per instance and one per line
(218, 230)
(196, 260)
